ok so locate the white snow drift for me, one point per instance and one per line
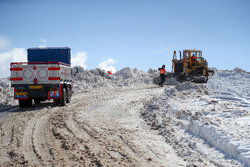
(217, 112)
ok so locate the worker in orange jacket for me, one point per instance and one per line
(193, 58)
(162, 75)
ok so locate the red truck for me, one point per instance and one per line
(47, 75)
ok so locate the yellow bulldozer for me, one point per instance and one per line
(191, 66)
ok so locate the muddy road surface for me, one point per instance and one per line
(101, 128)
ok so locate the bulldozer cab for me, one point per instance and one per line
(193, 58)
(188, 54)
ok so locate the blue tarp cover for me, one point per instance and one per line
(51, 54)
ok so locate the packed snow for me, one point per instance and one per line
(218, 113)
(6, 94)
(210, 122)
(89, 80)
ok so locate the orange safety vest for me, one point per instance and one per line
(193, 58)
(162, 71)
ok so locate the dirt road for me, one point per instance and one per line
(102, 128)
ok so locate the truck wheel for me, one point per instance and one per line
(29, 102)
(63, 99)
(68, 96)
(68, 100)
(206, 79)
(22, 103)
(25, 103)
(56, 102)
(37, 101)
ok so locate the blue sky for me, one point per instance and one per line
(131, 33)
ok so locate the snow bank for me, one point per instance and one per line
(6, 95)
(233, 83)
(217, 112)
(87, 80)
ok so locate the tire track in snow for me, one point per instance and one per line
(110, 147)
(29, 146)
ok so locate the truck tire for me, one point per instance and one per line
(29, 102)
(68, 96)
(64, 96)
(25, 103)
(37, 101)
(56, 102)
(68, 100)
(206, 79)
(22, 103)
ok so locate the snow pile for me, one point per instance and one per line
(6, 95)
(235, 83)
(239, 70)
(134, 77)
(217, 113)
(87, 80)
(169, 80)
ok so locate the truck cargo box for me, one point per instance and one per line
(52, 54)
